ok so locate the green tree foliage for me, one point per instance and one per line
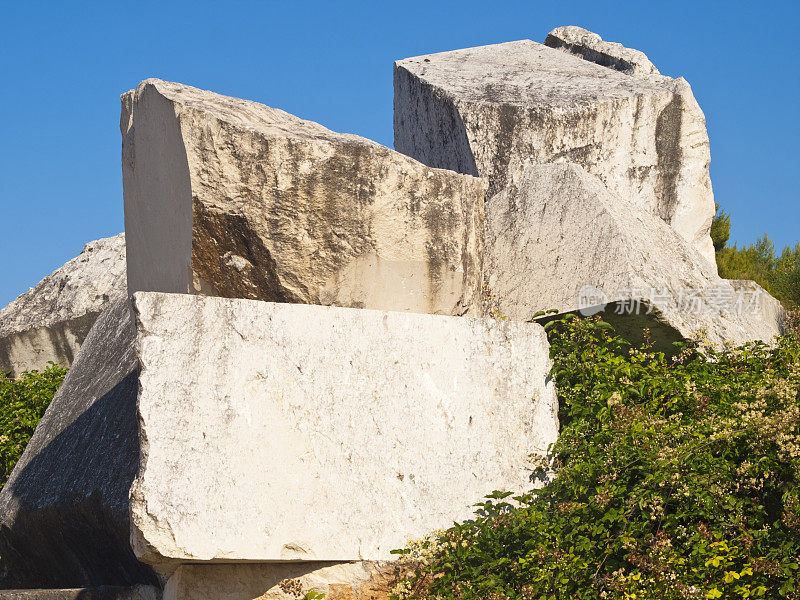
(675, 478)
(786, 278)
(22, 403)
(720, 228)
(778, 274)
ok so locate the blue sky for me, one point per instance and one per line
(63, 66)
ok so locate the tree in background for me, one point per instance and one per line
(778, 274)
(720, 228)
(787, 275)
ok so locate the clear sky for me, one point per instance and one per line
(63, 66)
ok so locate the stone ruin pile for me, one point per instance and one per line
(301, 371)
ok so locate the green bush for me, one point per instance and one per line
(756, 261)
(22, 403)
(778, 274)
(720, 228)
(786, 277)
(676, 478)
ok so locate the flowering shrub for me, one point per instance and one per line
(22, 403)
(677, 477)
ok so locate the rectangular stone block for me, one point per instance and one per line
(275, 432)
(360, 580)
(492, 110)
(228, 197)
(196, 429)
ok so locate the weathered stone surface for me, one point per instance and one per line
(232, 198)
(590, 46)
(361, 580)
(268, 432)
(139, 592)
(559, 231)
(291, 432)
(50, 321)
(770, 314)
(64, 511)
(490, 110)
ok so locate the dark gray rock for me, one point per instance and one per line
(64, 519)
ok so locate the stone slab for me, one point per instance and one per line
(276, 432)
(590, 46)
(559, 239)
(232, 198)
(361, 580)
(268, 432)
(98, 593)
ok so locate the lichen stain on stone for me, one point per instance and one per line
(669, 153)
(218, 233)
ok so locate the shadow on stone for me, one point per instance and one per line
(68, 538)
(64, 513)
(630, 326)
(441, 142)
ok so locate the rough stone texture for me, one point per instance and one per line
(590, 46)
(64, 511)
(490, 110)
(274, 432)
(275, 413)
(771, 313)
(362, 580)
(232, 198)
(559, 229)
(50, 321)
(140, 592)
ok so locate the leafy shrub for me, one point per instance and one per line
(22, 403)
(786, 278)
(676, 478)
(720, 228)
(779, 275)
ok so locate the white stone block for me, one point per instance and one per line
(227, 197)
(492, 110)
(275, 432)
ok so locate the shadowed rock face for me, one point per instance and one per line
(50, 321)
(232, 198)
(559, 230)
(64, 509)
(491, 110)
